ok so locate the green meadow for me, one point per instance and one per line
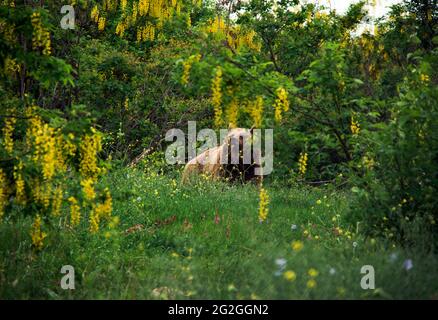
(205, 242)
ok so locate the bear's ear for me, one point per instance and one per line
(230, 126)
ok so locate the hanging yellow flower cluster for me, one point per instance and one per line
(110, 5)
(235, 36)
(7, 131)
(20, 195)
(255, 109)
(58, 197)
(36, 234)
(75, 212)
(101, 210)
(302, 163)
(146, 33)
(216, 98)
(133, 14)
(46, 147)
(90, 146)
(11, 67)
(123, 4)
(374, 53)
(354, 126)
(95, 14)
(10, 3)
(42, 192)
(88, 188)
(3, 193)
(233, 112)
(263, 205)
(105, 209)
(40, 35)
(48, 153)
(101, 23)
(281, 104)
(187, 66)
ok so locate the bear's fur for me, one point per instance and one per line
(209, 162)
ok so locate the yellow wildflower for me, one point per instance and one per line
(313, 272)
(290, 275)
(311, 284)
(297, 246)
(263, 204)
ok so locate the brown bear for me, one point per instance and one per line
(232, 168)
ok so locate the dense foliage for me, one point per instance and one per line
(353, 103)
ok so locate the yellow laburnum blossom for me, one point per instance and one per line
(36, 234)
(233, 112)
(134, 12)
(104, 210)
(120, 28)
(69, 147)
(94, 221)
(40, 35)
(143, 7)
(88, 189)
(95, 14)
(187, 65)
(89, 147)
(281, 103)
(216, 98)
(255, 109)
(101, 24)
(7, 131)
(20, 195)
(11, 66)
(42, 193)
(354, 126)
(57, 201)
(263, 205)
(235, 36)
(3, 193)
(45, 143)
(75, 211)
(123, 4)
(302, 163)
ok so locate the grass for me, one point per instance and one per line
(205, 242)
